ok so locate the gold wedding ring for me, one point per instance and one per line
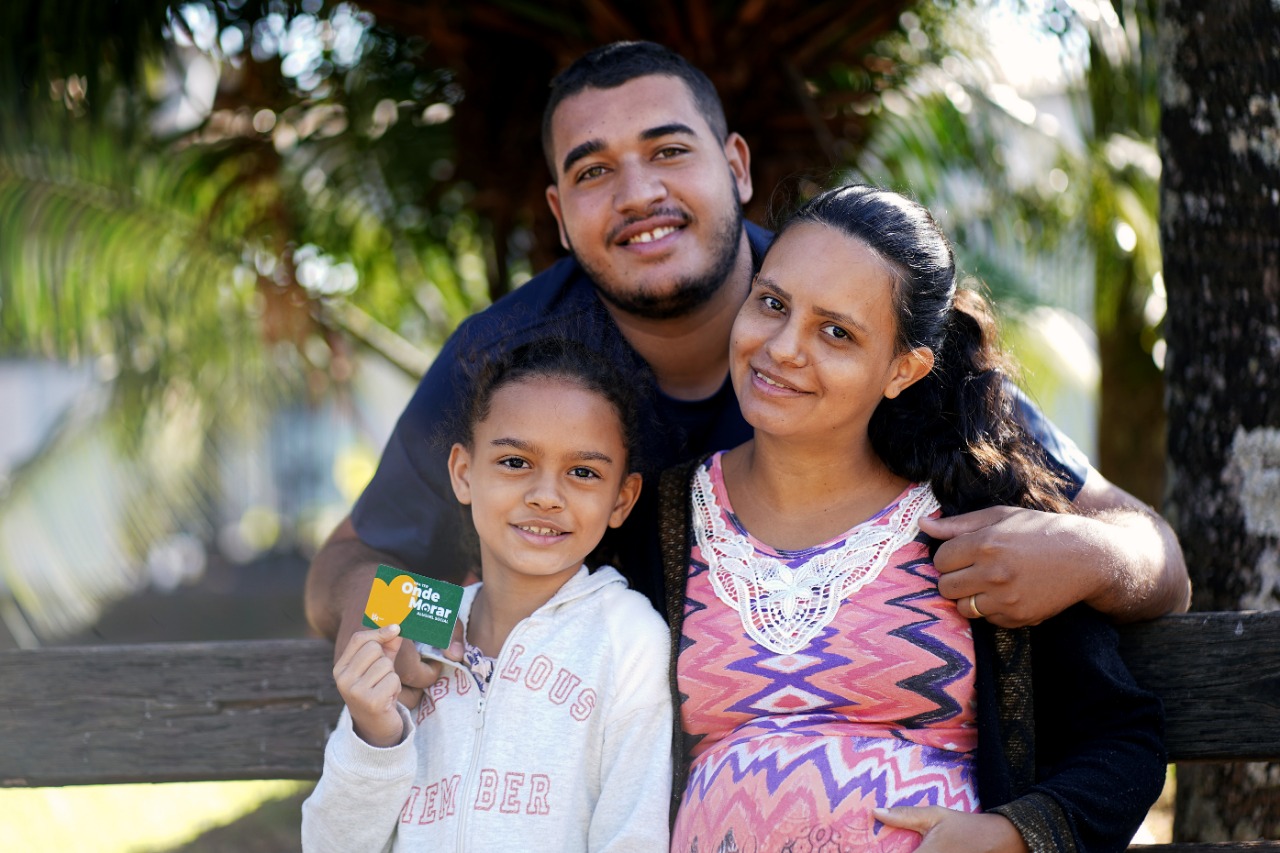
(973, 605)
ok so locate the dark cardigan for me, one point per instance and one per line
(1074, 763)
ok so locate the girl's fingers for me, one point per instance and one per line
(365, 648)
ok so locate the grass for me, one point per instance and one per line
(150, 818)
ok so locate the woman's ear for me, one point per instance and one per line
(908, 369)
(460, 473)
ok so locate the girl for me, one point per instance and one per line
(832, 699)
(552, 732)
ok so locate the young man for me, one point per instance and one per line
(648, 187)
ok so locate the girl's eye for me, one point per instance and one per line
(514, 462)
(583, 472)
(836, 332)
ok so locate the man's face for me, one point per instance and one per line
(647, 198)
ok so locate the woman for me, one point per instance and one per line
(822, 678)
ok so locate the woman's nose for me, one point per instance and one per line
(785, 345)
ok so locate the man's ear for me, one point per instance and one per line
(460, 473)
(908, 369)
(739, 157)
(553, 202)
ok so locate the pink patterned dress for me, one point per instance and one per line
(819, 684)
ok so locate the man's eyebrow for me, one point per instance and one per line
(674, 127)
(835, 316)
(586, 149)
(591, 146)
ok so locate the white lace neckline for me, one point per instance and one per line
(783, 608)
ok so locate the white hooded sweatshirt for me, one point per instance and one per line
(567, 748)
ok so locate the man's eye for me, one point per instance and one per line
(590, 172)
(669, 152)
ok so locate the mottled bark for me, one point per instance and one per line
(1220, 227)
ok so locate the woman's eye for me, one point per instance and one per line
(582, 473)
(836, 332)
(514, 462)
(773, 303)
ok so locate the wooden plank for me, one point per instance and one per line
(152, 713)
(263, 709)
(1219, 677)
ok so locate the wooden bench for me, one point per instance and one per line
(263, 709)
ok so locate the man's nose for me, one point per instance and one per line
(639, 188)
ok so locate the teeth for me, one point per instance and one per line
(655, 234)
(769, 381)
(539, 531)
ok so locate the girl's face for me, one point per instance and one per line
(812, 351)
(546, 475)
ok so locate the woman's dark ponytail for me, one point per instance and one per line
(960, 429)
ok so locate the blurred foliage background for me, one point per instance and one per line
(234, 232)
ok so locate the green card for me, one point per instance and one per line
(424, 608)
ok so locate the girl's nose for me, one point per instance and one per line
(544, 494)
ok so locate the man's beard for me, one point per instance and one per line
(688, 294)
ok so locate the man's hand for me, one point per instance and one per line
(950, 831)
(1014, 566)
(367, 680)
(1018, 566)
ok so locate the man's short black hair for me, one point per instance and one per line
(612, 65)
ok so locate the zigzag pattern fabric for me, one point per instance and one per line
(793, 746)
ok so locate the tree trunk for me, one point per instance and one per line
(1220, 227)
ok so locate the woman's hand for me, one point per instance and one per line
(366, 678)
(950, 831)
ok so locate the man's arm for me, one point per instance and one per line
(342, 567)
(1021, 566)
(1150, 577)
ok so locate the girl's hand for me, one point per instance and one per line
(367, 680)
(948, 831)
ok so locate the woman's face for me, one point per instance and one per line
(812, 351)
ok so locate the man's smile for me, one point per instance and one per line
(649, 229)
